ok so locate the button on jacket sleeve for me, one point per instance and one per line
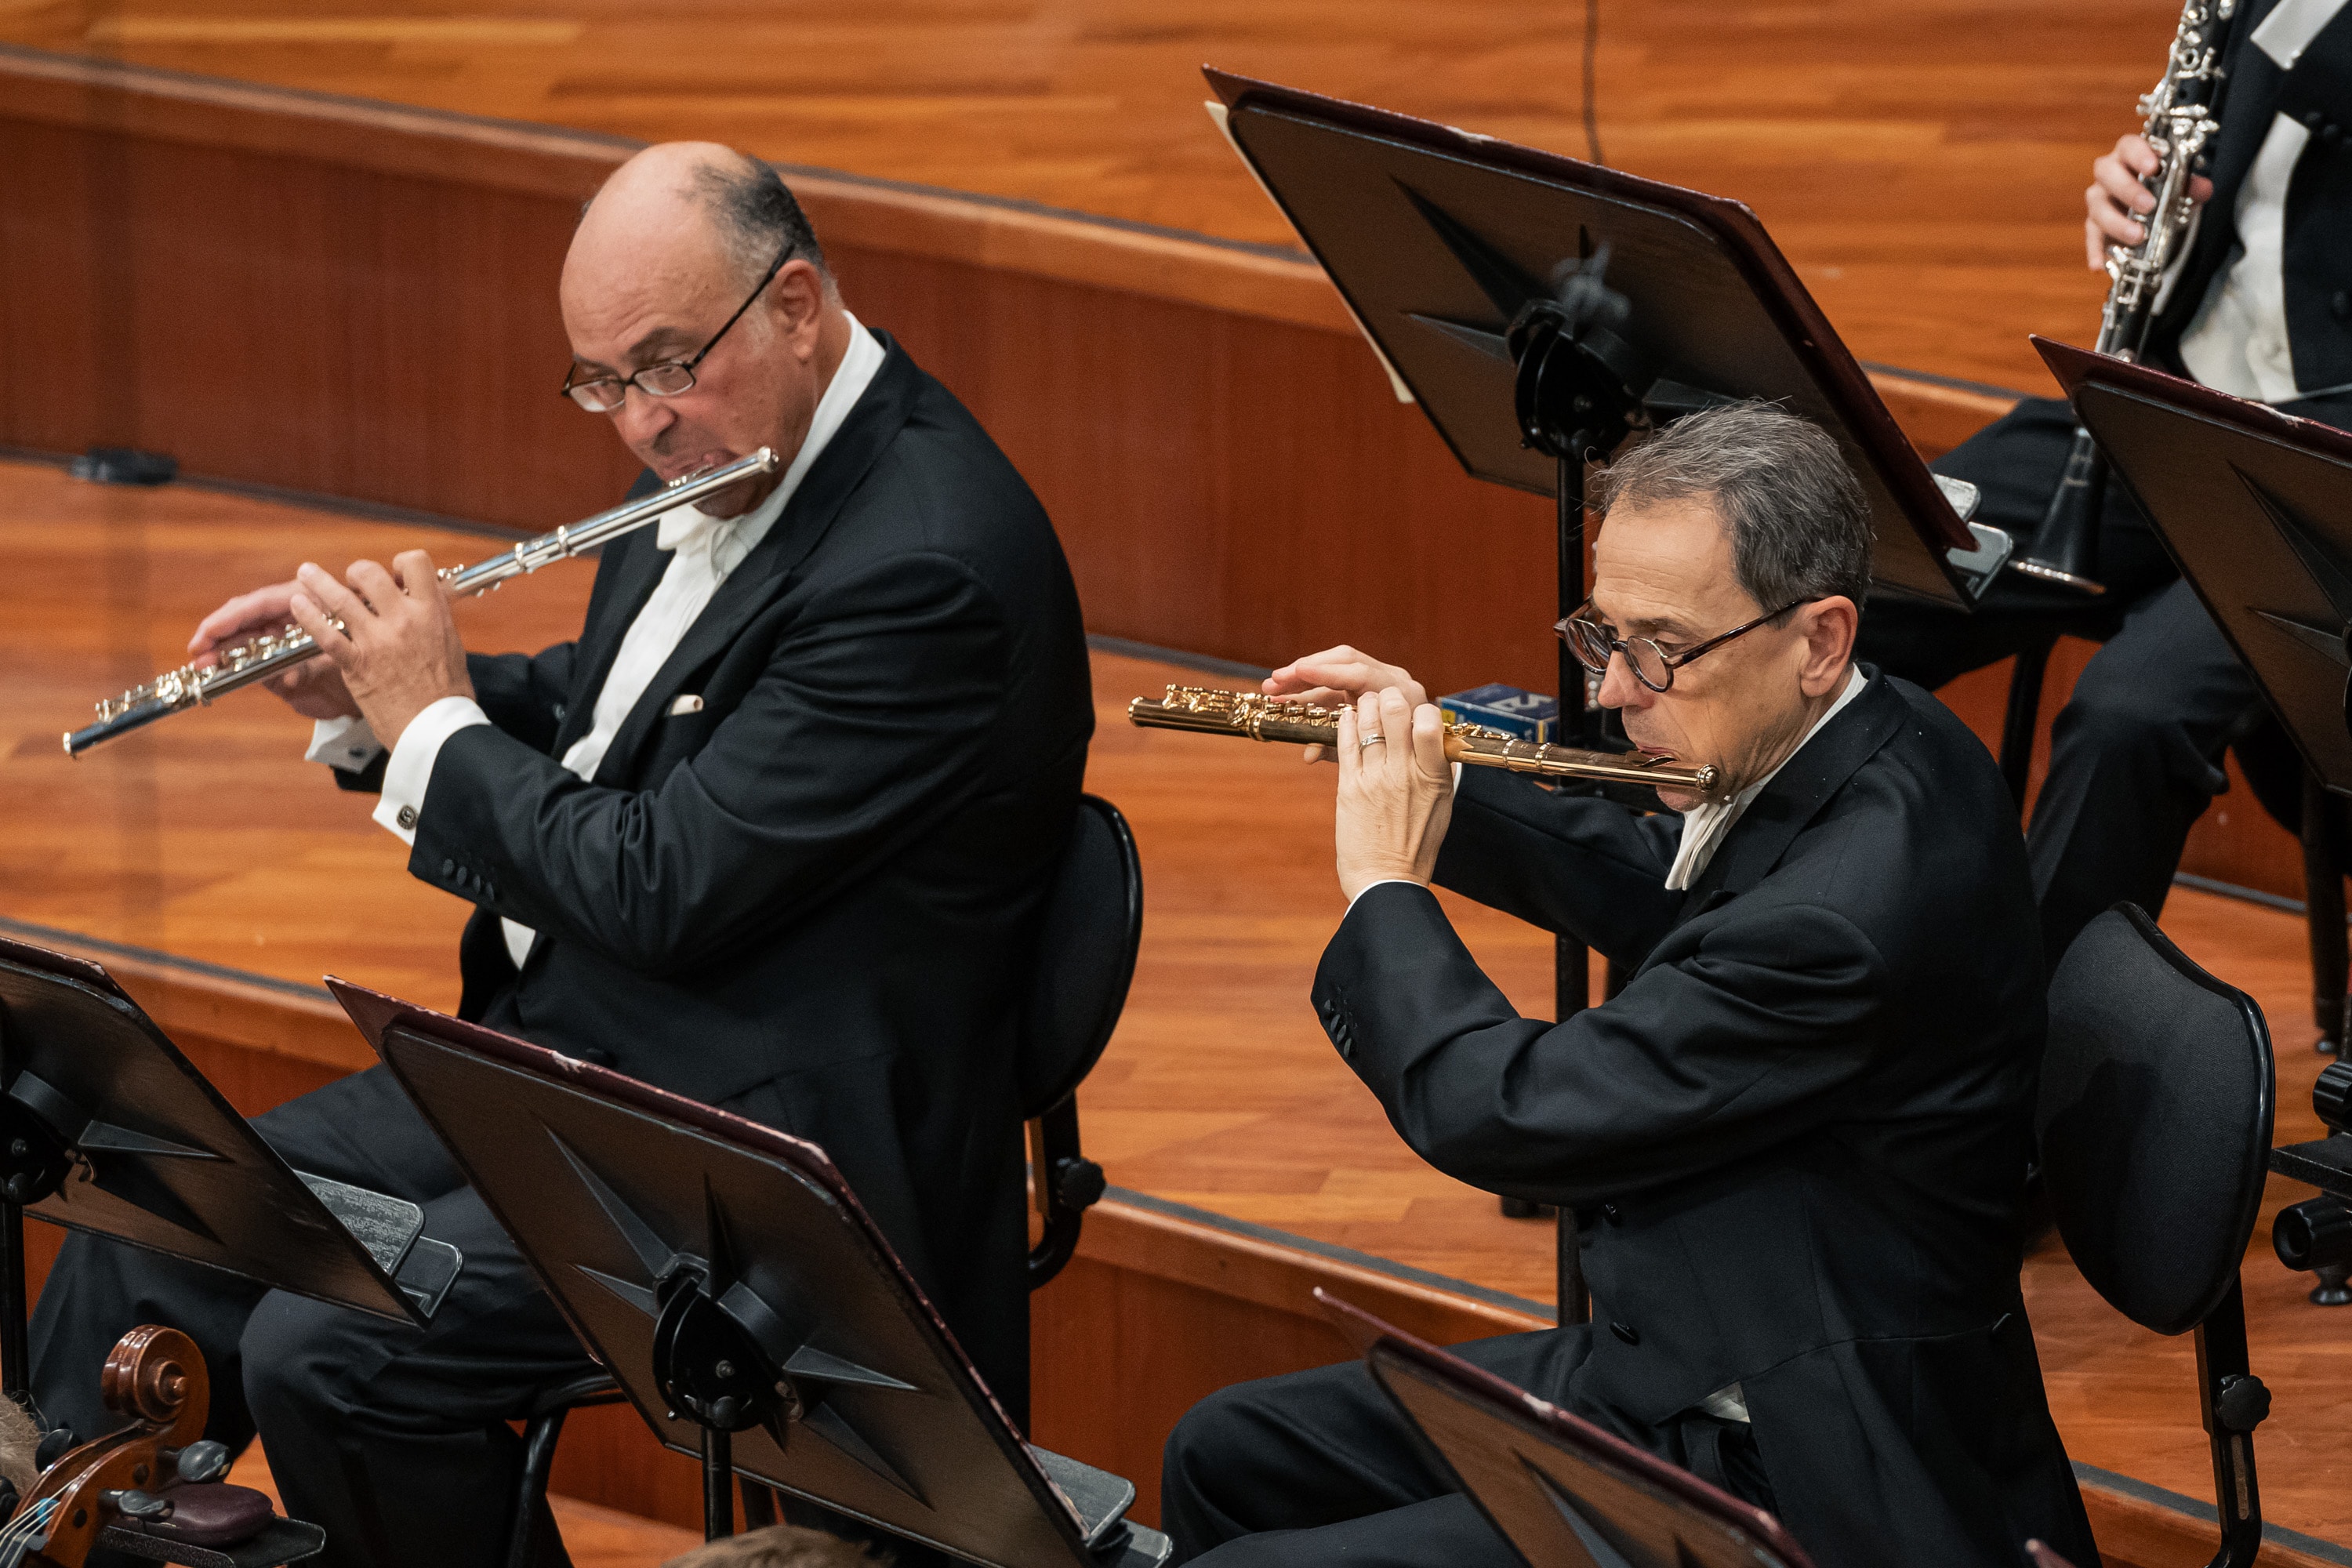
(861, 730)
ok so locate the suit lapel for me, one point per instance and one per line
(872, 424)
(1796, 794)
(2251, 84)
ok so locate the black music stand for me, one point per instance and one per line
(1541, 309)
(727, 1277)
(1562, 1492)
(2255, 507)
(105, 1127)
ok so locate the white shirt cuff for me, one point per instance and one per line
(410, 771)
(1383, 882)
(345, 744)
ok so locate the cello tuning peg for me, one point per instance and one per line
(201, 1462)
(143, 1507)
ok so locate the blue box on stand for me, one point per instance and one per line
(1528, 715)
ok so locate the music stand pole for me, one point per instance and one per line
(16, 1359)
(718, 1483)
(1571, 964)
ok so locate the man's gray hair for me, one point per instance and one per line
(757, 216)
(1800, 527)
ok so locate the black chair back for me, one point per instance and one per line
(2155, 1127)
(1085, 957)
(2154, 1121)
(1085, 961)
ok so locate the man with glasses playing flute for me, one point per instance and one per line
(774, 833)
(1796, 1142)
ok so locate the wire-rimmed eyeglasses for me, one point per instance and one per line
(603, 393)
(1593, 642)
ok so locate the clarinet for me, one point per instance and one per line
(193, 685)
(2180, 117)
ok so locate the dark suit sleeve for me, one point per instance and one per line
(866, 729)
(1584, 868)
(1743, 1045)
(523, 693)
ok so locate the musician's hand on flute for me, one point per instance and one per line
(1396, 791)
(399, 651)
(2116, 200)
(1338, 676)
(314, 688)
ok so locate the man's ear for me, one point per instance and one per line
(1829, 626)
(797, 296)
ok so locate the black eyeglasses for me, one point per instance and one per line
(1594, 642)
(603, 393)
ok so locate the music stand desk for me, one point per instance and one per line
(1562, 1492)
(106, 1128)
(729, 1279)
(2255, 507)
(1438, 238)
(109, 1129)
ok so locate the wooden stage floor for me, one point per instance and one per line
(208, 838)
(1921, 161)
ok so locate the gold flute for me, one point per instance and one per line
(1212, 711)
(176, 691)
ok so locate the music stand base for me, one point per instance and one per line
(281, 1541)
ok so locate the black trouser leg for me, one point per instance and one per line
(394, 1439)
(1306, 1451)
(2135, 759)
(1320, 1467)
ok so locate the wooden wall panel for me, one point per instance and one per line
(294, 322)
(1241, 487)
(357, 299)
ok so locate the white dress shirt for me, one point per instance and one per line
(705, 550)
(2237, 341)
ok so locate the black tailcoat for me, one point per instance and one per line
(1797, 1140)
(812, 897)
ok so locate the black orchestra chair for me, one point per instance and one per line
(1092, 929)
(2154, 1128)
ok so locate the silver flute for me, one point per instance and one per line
(277, 652)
